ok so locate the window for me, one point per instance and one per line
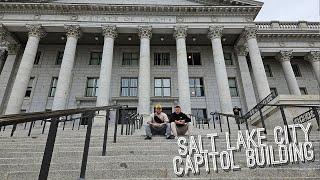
(196, 87)
(53, 86)
(296, 70)
(95, 58)
(201, 115)
(37, 59)
(274, 91)
(303, 91)
(129, 87)
(92, 87)
(29, 88)
(130, 59)
(162, 59)
(267, 68)
(228, 59)
(162, 87)
(233, 87)
(194, 59)
(59, 58)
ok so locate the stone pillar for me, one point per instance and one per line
(314, 58)
(7, 72)
(180, 34)
(110, 33)
(65, 74)
(246, 77)
(259, 73)
(145, 34)
(24, 72)
(284, 57)
(215, 33)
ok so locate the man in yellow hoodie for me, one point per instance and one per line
(159, 124)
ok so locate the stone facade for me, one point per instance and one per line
(146, 29)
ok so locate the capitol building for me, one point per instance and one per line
(204, 55)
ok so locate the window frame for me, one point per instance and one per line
(53, 86)
(163, 87)
(228, 60)
(37, 58)
(29, 88)
(192, 59)
(161, 61)
(235, 87)
(201, 87)
(129, 87)
(274, 89)
(58, 58)
(99, 58)
(268, 70)
(95, 87)
(129, 61)
(304, 90)
(296, 70)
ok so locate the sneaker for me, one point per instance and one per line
(147, 138)
(170, 137)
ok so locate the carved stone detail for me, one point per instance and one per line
(13, 48)
(73, 31)
(242, 50)
(251, 32)
(180, 32)
(215, 32)
(110, 31)
(3, 35)
(35, 30)
(284, 55)
(145, 32)
(313, 56)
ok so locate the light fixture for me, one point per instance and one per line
(96, 38)
(189, 57)
(161, 38)
(194, 39)
(224, 39)
(63, 38)
(129, 38)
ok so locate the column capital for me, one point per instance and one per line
(145, 32)
(180, 32)
(251, 32)
(215, 32)
(3, 35)
(13, 48)
(72, 30)
(109, 31)
(313, 56)
(242, 50)
(35, 30)
(284, 55)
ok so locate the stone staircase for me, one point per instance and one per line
(131, 157)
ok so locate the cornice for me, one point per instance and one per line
(196, 10)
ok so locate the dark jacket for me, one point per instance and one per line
(180, 116)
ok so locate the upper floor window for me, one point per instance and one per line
(59, 58)
(95, 58)
(267, 68)
(196, 87)
(162, 87)
(129, 86)
(92, 87)
(274, 91)
(303, 90)
(228, 59)
(233, 87)
(162, 59)
(194, 59)
(37, 59)
(296, 70)
(29, 88)
(53, 86)
(130, 59)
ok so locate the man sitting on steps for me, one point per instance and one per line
(159, 124)
(180, 122)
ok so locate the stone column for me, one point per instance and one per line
(259, 73)
(145, 34)
(180, 34)
(284, 57)
(24, 72)
(110, 33)
(7, 72)
(215, 33)
(246, 77)
(65, 74)
(314, 58)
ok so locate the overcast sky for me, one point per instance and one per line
(289, 10)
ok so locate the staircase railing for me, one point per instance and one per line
(84, 115)
(313, 113)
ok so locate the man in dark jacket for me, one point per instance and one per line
(180, 122)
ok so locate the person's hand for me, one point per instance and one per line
(177, 122)
(149, 122)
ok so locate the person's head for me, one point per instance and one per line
(177, 109)
(158, 108)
